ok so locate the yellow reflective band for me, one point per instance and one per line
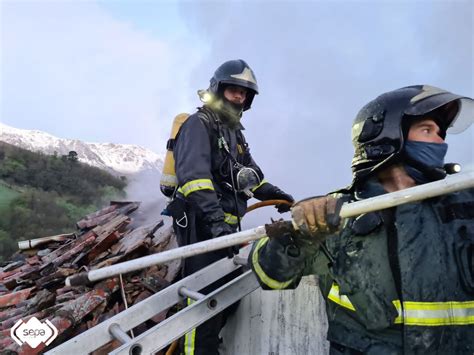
(398, 306)
(274, 284)
(196, 185)
(438, 313)
(341, 300)
(420, 313)
(189, 338)
(256, 187)
(230, 218)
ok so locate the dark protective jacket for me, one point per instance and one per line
(401, 280)
(204, 151)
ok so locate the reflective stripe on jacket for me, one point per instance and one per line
(203, 166)
(409, 286)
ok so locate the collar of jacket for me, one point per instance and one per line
(369, 188)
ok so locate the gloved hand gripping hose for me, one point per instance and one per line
(269, 203)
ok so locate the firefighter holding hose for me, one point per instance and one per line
(216, 175)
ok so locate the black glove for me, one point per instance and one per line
(281, 195)
(219, 229)
(268, 191)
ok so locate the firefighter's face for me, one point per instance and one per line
(235, 94)
(425, 130)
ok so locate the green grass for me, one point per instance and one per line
(75, 212)
(7, 194)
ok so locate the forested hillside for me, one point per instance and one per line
(43, 195)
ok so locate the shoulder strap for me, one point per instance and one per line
(211, 120)
(205, 117)
(241, 140)
(388, 216)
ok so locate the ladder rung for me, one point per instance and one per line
(99, 335)
(186, 292)
(119, 334)
(156, 338)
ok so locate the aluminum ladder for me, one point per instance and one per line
(203, 308)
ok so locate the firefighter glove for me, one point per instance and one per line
(219, 228)
(281, 195)
(317, 217)
(267, 191)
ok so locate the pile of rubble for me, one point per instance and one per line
(32, 284)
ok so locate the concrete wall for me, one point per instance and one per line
(278, 323)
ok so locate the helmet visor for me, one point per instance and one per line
(464, 117)
(456, 111)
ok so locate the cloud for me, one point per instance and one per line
(76, 70)
(72, 69)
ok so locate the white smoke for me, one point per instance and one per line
(145, 187)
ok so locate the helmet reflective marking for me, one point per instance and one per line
(245, 75)
(426, 91)
(356, 130)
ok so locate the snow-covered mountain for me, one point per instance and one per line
(122, 159)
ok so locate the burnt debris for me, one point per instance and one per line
(32, 283)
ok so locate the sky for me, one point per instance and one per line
(119, 71)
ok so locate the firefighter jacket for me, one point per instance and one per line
(400, 281)
(207, 152)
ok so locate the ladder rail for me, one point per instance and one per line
(172, 328)
(135, 315)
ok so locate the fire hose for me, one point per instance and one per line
(268, 203)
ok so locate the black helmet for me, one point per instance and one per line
(235, 72)
(379, 129)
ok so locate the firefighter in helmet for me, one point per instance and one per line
(399, 280)
(216, 176)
